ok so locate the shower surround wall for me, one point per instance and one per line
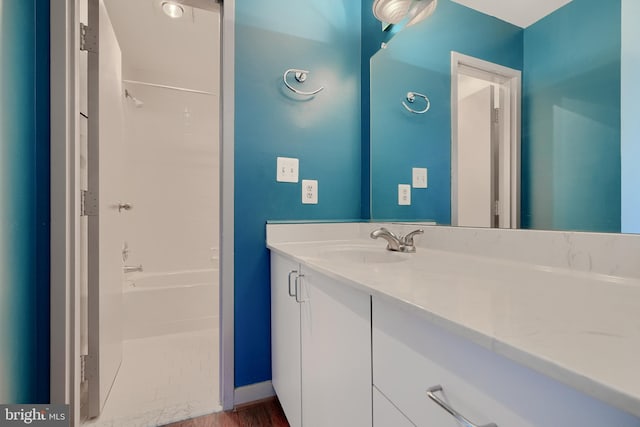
(170, 358)
(322, 131)
(172, 180)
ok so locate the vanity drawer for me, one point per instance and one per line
(411, 355)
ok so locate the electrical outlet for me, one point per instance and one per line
(420, 178)
(404, 194)
(309, 192)
(287, 169)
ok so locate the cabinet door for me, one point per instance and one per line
(336, 353)
(385, 414)
(285, 338)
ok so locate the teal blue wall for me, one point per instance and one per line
(571, 119)
(630, 138)
(322, 36)
(419, 59)
(24, 201)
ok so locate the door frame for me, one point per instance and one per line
(65, 206)
(511, 80)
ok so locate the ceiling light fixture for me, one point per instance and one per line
(172, 9)
(397, 11)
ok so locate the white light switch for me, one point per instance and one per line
(309, 192)
(404, 194)
(287, 169)
(420, 178)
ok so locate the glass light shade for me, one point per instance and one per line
(172, 10)
(390, 11)
(422, 10)
(394, 11)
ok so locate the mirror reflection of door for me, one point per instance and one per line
(478, 195)
(485, 146)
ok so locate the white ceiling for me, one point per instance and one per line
(157, 49)
(522, 13)
(161, 50)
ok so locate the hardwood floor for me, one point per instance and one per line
(263, 414)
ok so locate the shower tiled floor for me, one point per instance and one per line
(164, 379)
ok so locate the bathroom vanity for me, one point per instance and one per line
(490, 325)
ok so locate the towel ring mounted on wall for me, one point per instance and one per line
(301, 76)
(411, 98)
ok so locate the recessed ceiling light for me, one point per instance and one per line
(172, 10)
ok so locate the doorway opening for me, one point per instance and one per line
(150, 172)
(485, 146)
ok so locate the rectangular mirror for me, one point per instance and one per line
(522, 127)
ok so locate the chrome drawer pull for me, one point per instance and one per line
(291, 294)
(457, 415)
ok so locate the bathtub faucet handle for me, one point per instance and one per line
(132, 268)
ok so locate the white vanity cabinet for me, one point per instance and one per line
(385, 414)
(411, 354)
(321, 347)
(285, 337)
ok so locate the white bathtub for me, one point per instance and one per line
(168, 303)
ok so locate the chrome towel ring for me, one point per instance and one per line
(411, 98)
(301, 76)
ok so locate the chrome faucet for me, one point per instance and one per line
(397, 243)
(393, 241)
(132, 268)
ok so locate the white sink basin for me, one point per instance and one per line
(363, 255)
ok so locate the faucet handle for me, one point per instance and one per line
(408, 239)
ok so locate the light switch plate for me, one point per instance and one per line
(404, 194)
(420, 178)
(287, 169)
(309, 192)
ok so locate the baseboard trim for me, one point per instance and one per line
(253, 392)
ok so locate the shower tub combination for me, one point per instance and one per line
(170, 361)
(158, 304)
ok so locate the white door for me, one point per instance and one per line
(285, 337)
(477, 160)
(105, 231)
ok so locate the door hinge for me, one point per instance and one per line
(88, 39)
(496, 208)
(83, 368)
(496, 115)
(88, 203)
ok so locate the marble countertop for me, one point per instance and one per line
(580, 328)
